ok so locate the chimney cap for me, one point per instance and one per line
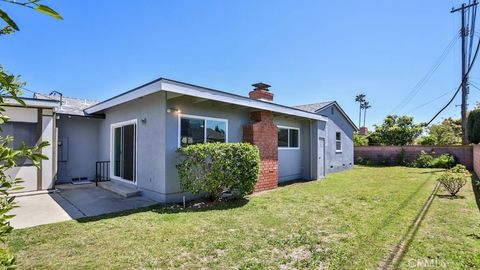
(261, 86)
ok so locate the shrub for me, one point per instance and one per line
(360, 140)
(215, 167)
(400, 158)
(443, 161)
(363, 161)
(424, 160)
(454, 179)
(427, 140)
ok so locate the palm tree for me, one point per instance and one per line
(360, 98)
(365, 106)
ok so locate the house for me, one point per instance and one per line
(132, 138)
(340, 129)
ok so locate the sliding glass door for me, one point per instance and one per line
(124, 151)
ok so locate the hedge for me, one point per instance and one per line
(216, 167)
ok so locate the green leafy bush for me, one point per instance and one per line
(425, 160)
(454, 179)
(360, 140)
(363, 161)
(427, 140)
(444, 161)
(215, 167)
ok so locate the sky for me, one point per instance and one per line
(309, 51)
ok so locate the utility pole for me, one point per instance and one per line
(464, 31)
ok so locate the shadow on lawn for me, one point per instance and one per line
(476, 189)
(450, 197)
(170, 209)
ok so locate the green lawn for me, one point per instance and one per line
(350, 220)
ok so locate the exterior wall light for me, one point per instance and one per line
(169, 110)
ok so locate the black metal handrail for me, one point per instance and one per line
(102, 171)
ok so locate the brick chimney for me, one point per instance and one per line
(261, 92)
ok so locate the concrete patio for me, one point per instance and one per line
(70, 202)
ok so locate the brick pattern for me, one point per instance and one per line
(261, 94)
(264, 134)
(476, 159)
(464, 154)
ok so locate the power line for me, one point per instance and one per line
(431, 101)
(423, 81)
(460, 86)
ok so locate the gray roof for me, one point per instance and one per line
(314, 107)
(70, 105)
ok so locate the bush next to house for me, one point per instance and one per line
(454, 179)
(216, 167)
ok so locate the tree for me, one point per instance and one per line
(359, 140)
(398, 130)
(10, 86)
(366, 105)
(360, 98)
(448, 132)
(473, 126)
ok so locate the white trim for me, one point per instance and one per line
(202, 92)
(288, 147)
(341, 146)
(112, 169)
(37, 103)
(205, 118)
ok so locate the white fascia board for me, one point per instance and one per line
(196, 91)
(138, 92)
(211, 94)
(36, 103)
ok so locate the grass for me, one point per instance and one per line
(449, 236)
(350, 220)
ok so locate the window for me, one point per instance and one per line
(124, 150)
(195, 129)
(288, 137)
(338, 142)
(23, 133)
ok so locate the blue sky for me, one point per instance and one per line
(308, 51)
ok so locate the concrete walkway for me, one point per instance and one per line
(71, 202)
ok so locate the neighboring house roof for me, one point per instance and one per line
(319, 106)
(172, 86)
(69, 106)
(33, 102)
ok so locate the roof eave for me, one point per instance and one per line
(35, 103)
(198, 91)
(341, 111)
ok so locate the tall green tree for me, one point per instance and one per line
(10, 89)
(360, 98)
(398, 130)
(448, 132)
(473, 126)
(365, 106)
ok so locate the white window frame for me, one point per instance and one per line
(205, 118)
(341, 145)
(112, 169)
(288, 147)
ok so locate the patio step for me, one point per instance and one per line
(119, 189)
